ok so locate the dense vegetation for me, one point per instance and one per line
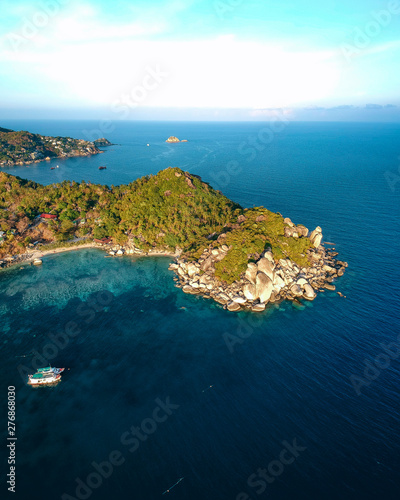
(168, 210)
(17, 147)
(259, 230)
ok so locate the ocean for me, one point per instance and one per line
(293, 403)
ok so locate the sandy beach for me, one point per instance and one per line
(39, 254)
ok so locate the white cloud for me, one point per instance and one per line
(96, 63)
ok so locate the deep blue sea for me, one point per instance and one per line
(294, 403)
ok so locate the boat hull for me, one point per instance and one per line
(45, 380)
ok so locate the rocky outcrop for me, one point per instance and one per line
(264, 287)
(316, 237)
(102, 142)
(265, 281)
(266, 266)
(175, 139)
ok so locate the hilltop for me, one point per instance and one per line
(166, 210)
(238, 256)
(21, 148)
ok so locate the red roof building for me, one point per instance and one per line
(48, 216)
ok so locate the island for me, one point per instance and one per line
(101, 143)
(173, 139)
(24, 148)
(242, 258)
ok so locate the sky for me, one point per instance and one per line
(201, 59)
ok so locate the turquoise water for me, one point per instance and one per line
(135, 339)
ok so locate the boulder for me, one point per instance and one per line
(317, 240)
(309, 292)
(239, 300)
(296, 290)
(267, 267)
(233, 306)
(207, 264)
(287, 221)
(251, 272)
(224, 297)
(302, 281)
(328, 286)
(316, 237)
(264, 287)
(258, 308)
(191, 269)
(181, 272)
(278, 282)
(316, 231)
(268, 255)
(205, 279)
(250, 291)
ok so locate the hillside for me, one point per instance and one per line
(19, 148)
(239, 257)
(167, 210)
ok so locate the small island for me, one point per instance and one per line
(242, 258)
(24, 148)
(175, 139)
(102, 142)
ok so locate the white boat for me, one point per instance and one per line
(45, 376)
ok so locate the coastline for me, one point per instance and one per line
(39, 254)
(63, 157)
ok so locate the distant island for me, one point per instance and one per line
(240, 257)
(102, 142)
(175, 139)
(23, 148)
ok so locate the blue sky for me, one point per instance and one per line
(201, 59)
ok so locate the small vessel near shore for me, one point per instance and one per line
(45, 376)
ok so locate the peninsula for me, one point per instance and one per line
(240, 257)
(23, 148)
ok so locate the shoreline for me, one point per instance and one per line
(27, 163)
(40, 254)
